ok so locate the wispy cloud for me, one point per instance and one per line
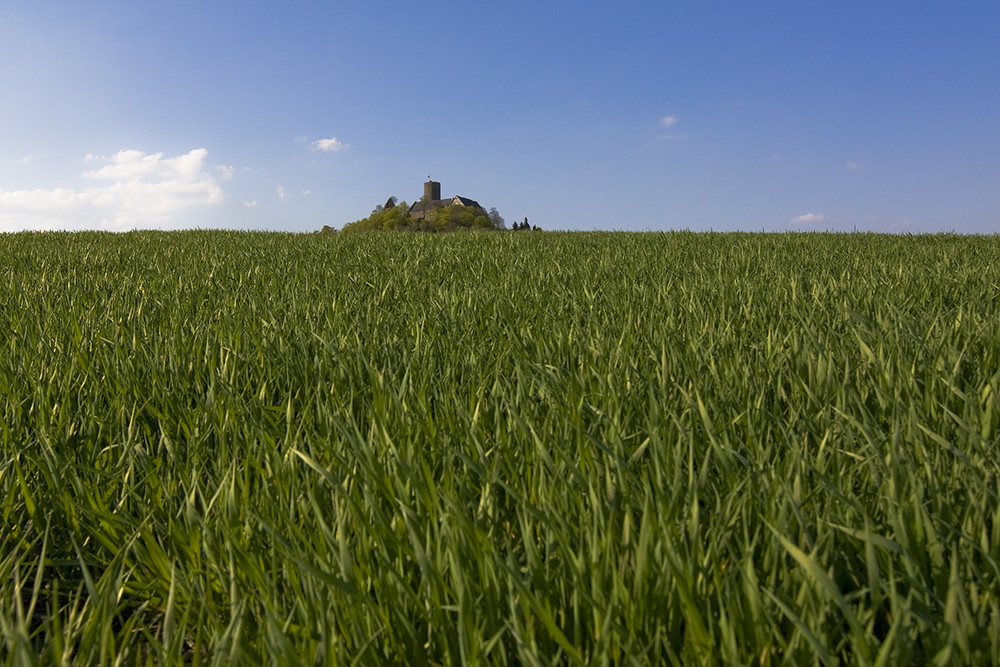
(807, 218)
(330, 145)
(250, 204)
(854, 166)
(282, 193)
(136, 190)
(29, 158)
(669, 121)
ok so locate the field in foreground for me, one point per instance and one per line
(510, 448)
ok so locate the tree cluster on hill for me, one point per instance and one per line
(395, 215)
(524, 226)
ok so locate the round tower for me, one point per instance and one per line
(432, 191)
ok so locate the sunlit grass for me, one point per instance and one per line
(510, 448)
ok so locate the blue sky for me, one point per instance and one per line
(872, 115)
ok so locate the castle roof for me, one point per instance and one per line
(420, 208)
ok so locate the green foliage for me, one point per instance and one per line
(449, 218)
(394, 218)
(454, 217)
(240, 447)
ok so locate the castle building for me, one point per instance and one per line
(432, 200)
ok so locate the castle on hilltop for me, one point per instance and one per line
(432, 200)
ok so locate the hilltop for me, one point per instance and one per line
(430, 213)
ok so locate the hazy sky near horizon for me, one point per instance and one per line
(772, 115)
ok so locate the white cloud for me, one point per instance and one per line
(136, 190)
(250, 204)
(330, 145)
(667, 121)
(306, 193)
(807, 218)
(282, 193)
(853, 166)
(29, 158)
(132, 165)
(226, 171)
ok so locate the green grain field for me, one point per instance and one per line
(555, 448)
